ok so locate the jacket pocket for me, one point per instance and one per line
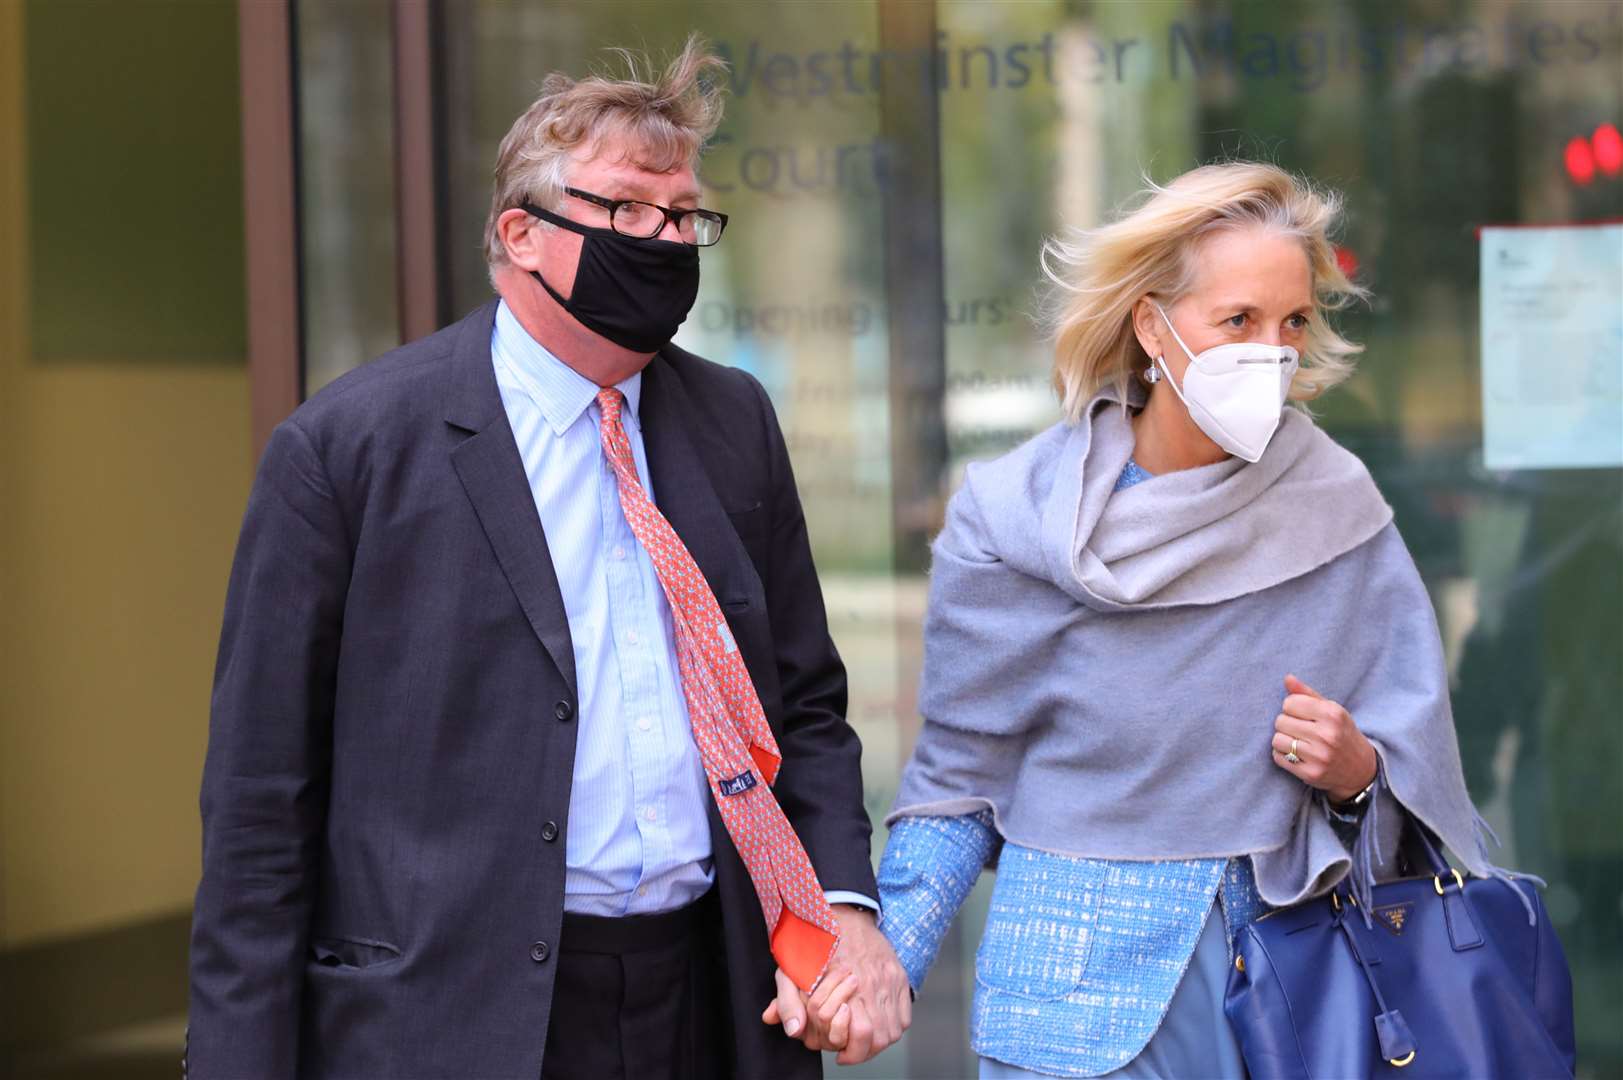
(1040, 925)
(749, 521)
(353, 953)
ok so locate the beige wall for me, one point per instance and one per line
(122, 485)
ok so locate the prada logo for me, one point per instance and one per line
(1394, 917)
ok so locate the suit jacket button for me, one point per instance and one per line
(539, 952)
(549, 831)
(563, 710)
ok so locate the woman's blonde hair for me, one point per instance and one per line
(669, 119)
(1097, 275)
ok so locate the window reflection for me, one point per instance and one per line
(346, 185)
(1432, 121)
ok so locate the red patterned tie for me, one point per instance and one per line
(734, 740)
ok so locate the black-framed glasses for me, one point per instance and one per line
(632, 217)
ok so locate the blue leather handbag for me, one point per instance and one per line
(1444, 975)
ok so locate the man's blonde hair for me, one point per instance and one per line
(667, 119)
(1097, 275)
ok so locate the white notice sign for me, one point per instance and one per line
(1552, 347)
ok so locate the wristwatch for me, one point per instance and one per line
(1356, 803)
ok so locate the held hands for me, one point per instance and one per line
(1333, 755)
(862, 1005)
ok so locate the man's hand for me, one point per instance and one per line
(800, 1014)
(861, 1006)
(883, 1007)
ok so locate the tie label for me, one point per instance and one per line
(738, 784)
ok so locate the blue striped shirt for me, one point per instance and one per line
(639, 835)
(638, 839)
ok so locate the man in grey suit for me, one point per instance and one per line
(455, 820)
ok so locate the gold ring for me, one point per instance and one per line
(1290, 755)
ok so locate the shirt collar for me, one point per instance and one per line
(558, 390)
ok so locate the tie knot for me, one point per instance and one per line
(609, 399)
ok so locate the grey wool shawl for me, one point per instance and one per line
(1102, 669)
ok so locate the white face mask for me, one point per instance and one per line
(1234, 393)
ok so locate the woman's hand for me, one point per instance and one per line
(801, 1013)
(1332, 753)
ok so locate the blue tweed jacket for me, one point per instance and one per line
(1080, 957)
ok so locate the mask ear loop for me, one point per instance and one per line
(1162, 360)
(563, 223)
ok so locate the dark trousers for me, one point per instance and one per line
(641, 998)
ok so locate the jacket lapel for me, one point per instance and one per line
(684, 494)
(492, 474)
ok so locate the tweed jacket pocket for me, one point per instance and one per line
(1040, 925)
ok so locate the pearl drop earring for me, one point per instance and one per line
(1153, 374)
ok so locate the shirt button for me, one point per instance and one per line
(549, 831)
(645, 724)
(631, 637)
(642, 890)
(539, 952)
(619, 552)
(650, 814)
(563, 710)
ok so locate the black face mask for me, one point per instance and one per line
(633, 292)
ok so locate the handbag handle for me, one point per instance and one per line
(1397, 1042)
(1462, 929)
(1419, 840)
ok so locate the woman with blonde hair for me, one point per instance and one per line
(1179, 666)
